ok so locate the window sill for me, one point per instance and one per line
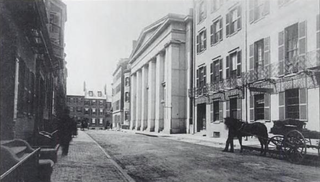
(201, 51)
(234, 33)
(217, 122)
(257, 20)
(214, 44)
(201, 21)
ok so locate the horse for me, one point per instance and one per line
(239, 129)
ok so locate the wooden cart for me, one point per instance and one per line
(291, 140)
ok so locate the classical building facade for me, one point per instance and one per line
(159, 65)
(33, 96)
(257, 61)
(121, 95)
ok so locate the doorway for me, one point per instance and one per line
(201, 118)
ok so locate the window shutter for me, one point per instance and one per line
(197, 78)
(205, 39)
(266, 7)
(211, 113)
(239, 22)
(251, 11)
(211, 72)
(282, 105)
(220, 69)
(227, 24)
(228, 108)
(198, 43)
(302, 38)
(211, 34)
(220, 110)
(251, 108)
(221, 34)
(267, 107)
(228, 67)
(303, 103)
(281, 53)
(239, 63)
(267, 64)
(251, 57)
(239, 106)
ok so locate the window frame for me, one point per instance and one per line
(215, 39)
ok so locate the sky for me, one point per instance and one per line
(98, 33)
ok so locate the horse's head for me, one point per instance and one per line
(229, 122)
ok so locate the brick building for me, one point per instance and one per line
(33, 73)
(92, 107)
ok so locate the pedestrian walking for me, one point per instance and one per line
(66, 128)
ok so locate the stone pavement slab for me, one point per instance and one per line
(87, 162)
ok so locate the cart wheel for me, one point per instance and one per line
(294, 145)
(275, 147)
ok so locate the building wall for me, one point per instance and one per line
(273, 19)
(158, 74)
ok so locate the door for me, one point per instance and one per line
(201, 119)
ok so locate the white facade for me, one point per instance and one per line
(262, 67)
(159, 76)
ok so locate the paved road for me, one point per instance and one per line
(158, 159)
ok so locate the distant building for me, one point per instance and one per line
(121, 95)
(92, 108)
(160, 63)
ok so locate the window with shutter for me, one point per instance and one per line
(227, 108)
(252, 108)
(220, 110)
(202, 13)
(292, 103)
(239, 21)
(216, 111)
(239, 63)
(281, 53)
(227, 67)
(281, 105)
(251, 57)
(251, 11)
(302, 40)
(227, 24)
(303, 114)
(198, 43)
(259, 106)
(267, 65)
(211, 113)
(216, 28)
(291, 48)
(239, 108)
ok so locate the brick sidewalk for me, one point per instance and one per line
(87, 162)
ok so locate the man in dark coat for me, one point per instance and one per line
(65, 131)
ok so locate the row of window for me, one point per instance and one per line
(94, 102)
(232, 26)
(95, 120)
(93, 111)
(257, 8)
(292, 104)
(292, 44)
(232, 69)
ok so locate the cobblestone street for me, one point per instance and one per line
(147, 158)
(86, 162)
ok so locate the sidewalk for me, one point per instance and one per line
(196, 139)
(87, 162)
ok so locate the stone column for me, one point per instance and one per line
(151, 95)
(133, 101)
(176, 85)
(138, 100)
(144, 97)
(159, 92)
